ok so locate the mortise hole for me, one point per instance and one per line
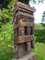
(25, 32)
(32, 44)
(17, 32)
(31, 31)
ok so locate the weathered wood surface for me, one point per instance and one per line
(30, 56)
(22, 39)
(23, 31)
(23, 6)
(25, 24)
(23, 14)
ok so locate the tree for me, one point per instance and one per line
(4, 3)
(27, 1)
(43, 18)
(24, 1)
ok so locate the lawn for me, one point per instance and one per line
(39, 50)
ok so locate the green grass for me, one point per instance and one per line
(39, 51)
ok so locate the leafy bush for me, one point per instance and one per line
(39, 33)
(5, 16)
(6, 32)
(6, 42)
(6, 13)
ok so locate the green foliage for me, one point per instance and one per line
(4, 3)
(43, 18)
(39, 33)
(6, 32)
(5, 16)
(6, 42)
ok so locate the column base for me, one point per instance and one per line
(30, 56)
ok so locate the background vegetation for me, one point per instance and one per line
(6, 33)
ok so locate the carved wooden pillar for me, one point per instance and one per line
(23, 31)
